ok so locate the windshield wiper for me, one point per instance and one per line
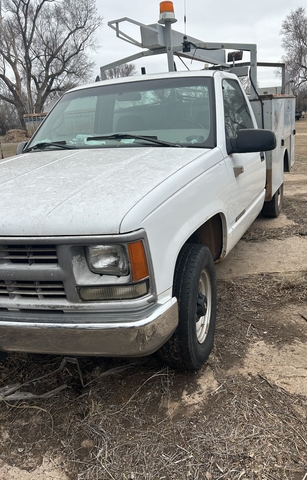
(198, 146)
(123, 136)
(41, 145)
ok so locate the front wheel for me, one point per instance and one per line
(273, 208)
(195, 289)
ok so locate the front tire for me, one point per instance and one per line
(195, 289)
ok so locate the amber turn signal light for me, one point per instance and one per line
(138, 262)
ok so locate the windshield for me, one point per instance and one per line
(177, 111)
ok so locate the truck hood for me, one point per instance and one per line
(82, 192)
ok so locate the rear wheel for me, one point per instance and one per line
(273, 208)
(195, 289)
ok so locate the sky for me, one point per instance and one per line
(209, 21)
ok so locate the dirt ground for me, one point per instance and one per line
(242, 417)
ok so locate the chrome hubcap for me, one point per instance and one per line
(203, 310)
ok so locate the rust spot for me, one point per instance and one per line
(268, 190)
(211, 235)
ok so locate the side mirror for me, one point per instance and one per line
(251, 140)
(20, 147)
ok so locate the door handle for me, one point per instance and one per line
(238, 170)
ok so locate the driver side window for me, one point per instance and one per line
(236, 111)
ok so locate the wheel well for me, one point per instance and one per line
(210, 234)
(286, 162)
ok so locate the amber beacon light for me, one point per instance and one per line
(167, 13)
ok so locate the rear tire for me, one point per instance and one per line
(273, 208)
(195, 289)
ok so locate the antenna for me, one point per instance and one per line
(186, 47)
(185, 17)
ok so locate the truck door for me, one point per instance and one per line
(246, 170)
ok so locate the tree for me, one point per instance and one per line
(8, 117)
(301, 99)
(125, 70)
(294, 41)
(43, 49)
(246, 84)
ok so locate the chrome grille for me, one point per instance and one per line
(28, 254)
(33, 290)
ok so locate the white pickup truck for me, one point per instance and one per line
(117, 209)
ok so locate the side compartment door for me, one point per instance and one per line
(248, 169)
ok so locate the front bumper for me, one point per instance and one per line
(118, 335)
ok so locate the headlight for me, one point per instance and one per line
(108, 259)
(121, 260)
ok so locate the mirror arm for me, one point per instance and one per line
(231, 145)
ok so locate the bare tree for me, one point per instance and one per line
(43, 49)
(294, 41)
(245, 82)
(301, 99)
(8, 117)
(125, 70)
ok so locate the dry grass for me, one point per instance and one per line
(247, 429)
(300, 146)
(10, 141)
(7, 150)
